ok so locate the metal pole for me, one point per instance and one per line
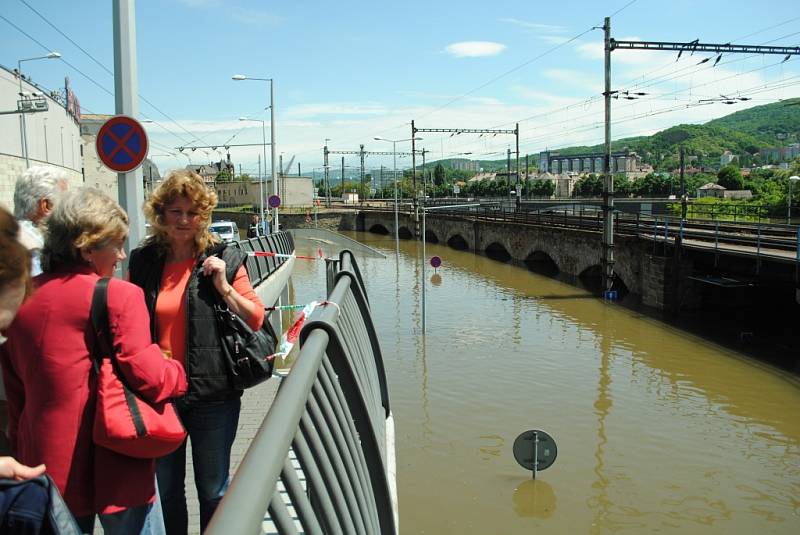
(414, 174)
(261, 188)
(126, 90)
(684, 200)
(519, 189)
(396, 217)
(608, 183)
(424, 253)
(361, 151)
(275, 226)
(22, 125)
(262, 177)
(789, 208)
(327, 176)
(341, 181)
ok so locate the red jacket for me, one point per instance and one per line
(46, 368)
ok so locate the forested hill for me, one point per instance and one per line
(743, 133)
(768, 121)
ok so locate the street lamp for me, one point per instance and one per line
(792, 180)
(261, 182)
(50, 55)
(239, 77)
(394, 143)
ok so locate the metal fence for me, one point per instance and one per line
(260, 267)
(330, 414)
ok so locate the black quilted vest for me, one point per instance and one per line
(205, 369)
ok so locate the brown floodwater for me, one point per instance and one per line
(658, 430)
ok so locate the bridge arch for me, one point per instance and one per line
(378, 228)
(431, 236)
(458, 242)
(497, 251)
(404, 233)
(541, 262)
(592, 279)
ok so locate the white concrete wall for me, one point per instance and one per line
(53, 138)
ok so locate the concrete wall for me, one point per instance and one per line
(53, 137)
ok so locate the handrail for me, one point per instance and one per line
(331, 412)
(261, 267)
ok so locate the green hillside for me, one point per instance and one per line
(743, 133)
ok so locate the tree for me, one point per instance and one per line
(730, 177)
(589, 186)
(438, 174)
(223, 176)
(541, 188)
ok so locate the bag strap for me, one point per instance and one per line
(104, 347)
(100, 328)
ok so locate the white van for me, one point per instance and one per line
(226, 230)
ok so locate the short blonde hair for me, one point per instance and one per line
(85, 217)
(181, 183)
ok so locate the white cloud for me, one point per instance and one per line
(335, 108)
(474, 49)
(551, 28)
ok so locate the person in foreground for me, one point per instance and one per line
(184, 272)
(15, 284)
(47, 368)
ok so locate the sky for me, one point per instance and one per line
(350, 71)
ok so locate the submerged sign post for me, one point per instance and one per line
(121, 144)
(535, 450)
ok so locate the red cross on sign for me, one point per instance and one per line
(121, 144)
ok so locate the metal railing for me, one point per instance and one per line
(260, 267)
(331, 414)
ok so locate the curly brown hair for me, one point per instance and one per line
(15, 262)
(181, 183)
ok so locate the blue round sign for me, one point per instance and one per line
(121, 144)
(274, 201)
(436, 261)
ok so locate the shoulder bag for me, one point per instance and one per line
(123, 421)
(249, 355)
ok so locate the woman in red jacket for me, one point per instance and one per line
(47, 368)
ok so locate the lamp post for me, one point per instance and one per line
(394, 143)
(792, 180)
(239, 77)
(23, 133)
(261, 181)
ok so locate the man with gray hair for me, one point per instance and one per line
(35, 194)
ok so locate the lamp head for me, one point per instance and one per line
(794, 178)
(53, 55)
(243, 119)
(379, 138)
(239, 77)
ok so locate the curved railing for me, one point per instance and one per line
(321, 461)
(261, 267)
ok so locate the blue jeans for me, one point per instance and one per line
(212, 428)
(140, 520)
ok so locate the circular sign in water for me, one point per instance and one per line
(535, 450)
(436, 261)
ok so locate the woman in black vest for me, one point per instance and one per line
(184, 270)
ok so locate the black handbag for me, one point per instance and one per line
(249, 355)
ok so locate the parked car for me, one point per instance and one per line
(226, 230)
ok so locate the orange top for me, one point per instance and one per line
(171, 306)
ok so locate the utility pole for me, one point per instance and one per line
(424, 181)
(341, 182)
(608, 178)
(414, 178)
(519, 189)
(361, 155)
(327, 171)
(526, 174)
(684, 200)
(126, 96)
(508, 165)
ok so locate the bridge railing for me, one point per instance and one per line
(261, 267)
(331, 414)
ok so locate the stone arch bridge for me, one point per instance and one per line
(570, 253)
